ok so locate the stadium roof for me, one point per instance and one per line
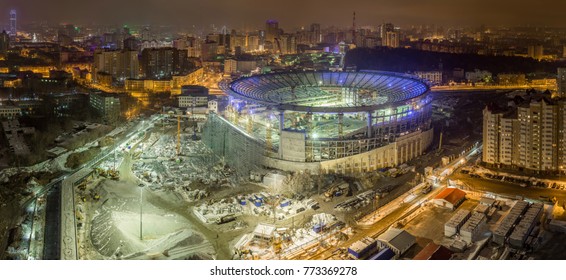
(295, 90)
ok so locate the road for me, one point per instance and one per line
(509, 189)
(52, 249)
(402, 211)
(52, 227)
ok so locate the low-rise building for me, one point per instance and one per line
(107, 105)
(10, 112)
(398, 240)
(450, 198)
(193, 96)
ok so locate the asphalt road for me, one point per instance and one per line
(509, 189)
(52, 249)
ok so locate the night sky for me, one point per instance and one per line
(290, 13)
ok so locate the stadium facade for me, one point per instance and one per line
(325, 122)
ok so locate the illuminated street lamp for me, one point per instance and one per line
(141, 211)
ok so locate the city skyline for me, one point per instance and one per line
(253, 13)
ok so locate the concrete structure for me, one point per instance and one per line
(434, 77)
(450, 198)
(398, 240)
(193, 96)
(504, 229)
(531, 138)
(526, 225)
(389, 112)
(107, 105)
(473, 229)
(561, 81)
(453, 225)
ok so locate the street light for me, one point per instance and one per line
(141, 211)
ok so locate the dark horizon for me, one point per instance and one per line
(253, 13)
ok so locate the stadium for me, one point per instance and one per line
(325, 122)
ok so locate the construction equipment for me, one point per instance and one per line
(225, 219)
(178, 135)
(278, 45)
(268, 141)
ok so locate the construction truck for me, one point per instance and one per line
(337, 190)
(225, 219)
(426, 188)
(114, 175)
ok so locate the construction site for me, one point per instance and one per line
(335, 174)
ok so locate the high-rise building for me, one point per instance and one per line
(391, 39)
(384, 28)
(535, 52)
(13, 23)
(530, 138)
(271, 30)
(120, 65)
(163, 63)
(4, 43)
(561, 82)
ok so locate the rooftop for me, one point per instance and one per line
(312, 90)
(397, 238)
(451, 195)
(434, 251)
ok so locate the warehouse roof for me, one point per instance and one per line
(397, 238)
(451, 195)
(433, 251)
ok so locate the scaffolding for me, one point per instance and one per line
(235, 145)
